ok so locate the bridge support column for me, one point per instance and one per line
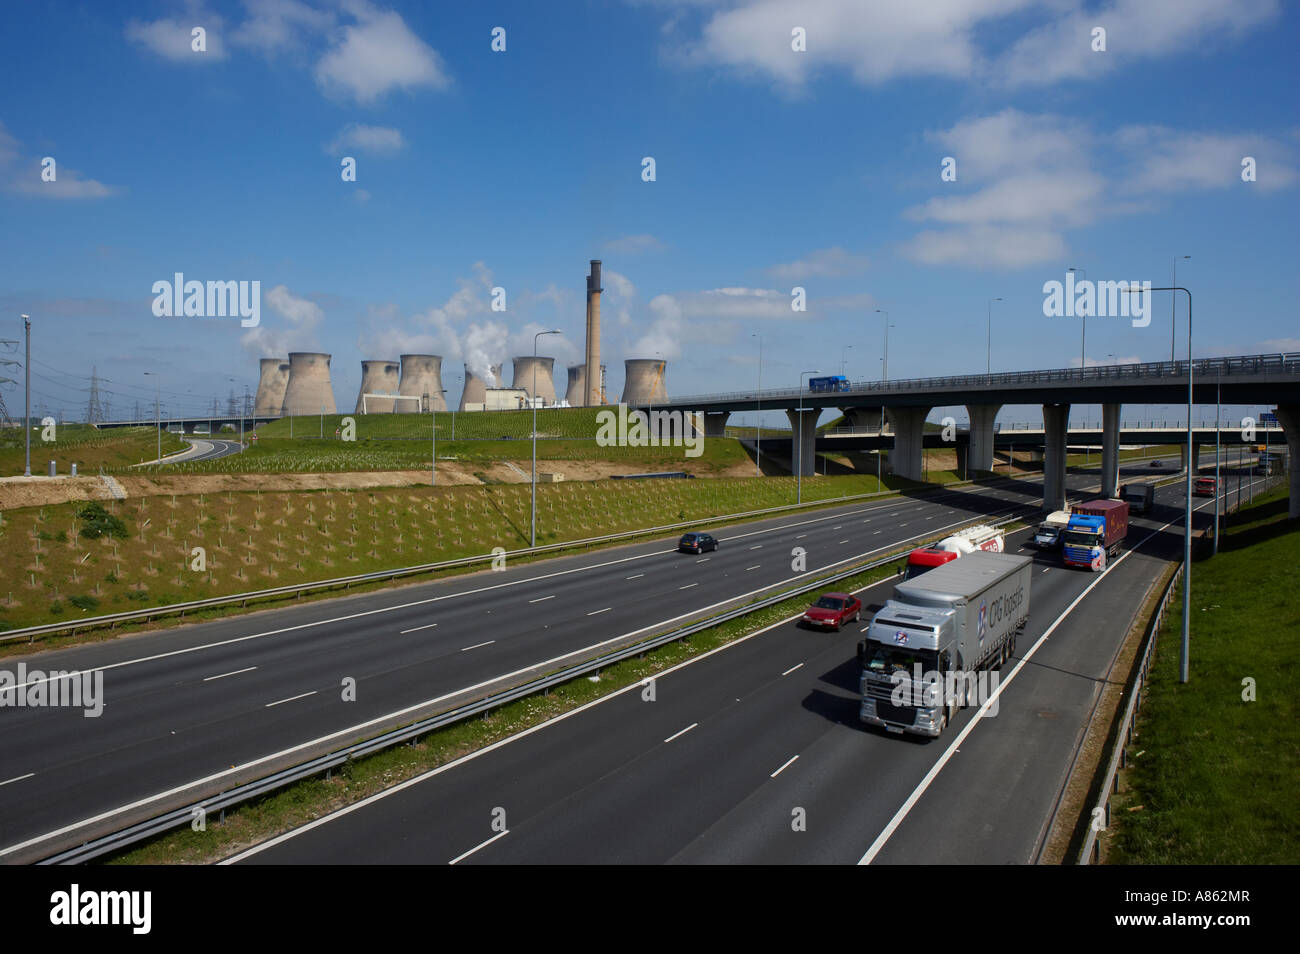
(905, 459)
(715, 423)
(188, 427)
(864, 417)
(1110, 449)
(1056, 419)
(980, 455)
(1196, 457)
(1289, 417)
(803, 447)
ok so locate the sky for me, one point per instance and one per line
(896, 162)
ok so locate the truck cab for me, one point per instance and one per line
(1095, 533)
(902, 643)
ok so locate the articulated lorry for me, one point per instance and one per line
(1139, 497)
(1096, 532)
(927, 645)
(923, 559)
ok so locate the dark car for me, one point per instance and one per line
(697, 543)
(833, 610)
(1156, 463)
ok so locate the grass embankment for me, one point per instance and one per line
(308, 800)
(90, 449)
(53, 573)
(1213, 776)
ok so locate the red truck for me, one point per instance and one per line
(1095, 533)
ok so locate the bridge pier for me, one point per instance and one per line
(1289, 417)
(905, 459)
(1196, 457)
(803, 446)
(1110, 450)
(867, 417)
(1056, 419)
(189, 426)
(980, 455)
(715, 423)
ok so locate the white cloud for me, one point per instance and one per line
(1002, 247)
(823, 263)
(274, 26)
(24, 176)
(297, 330)
(377, 140)
(172, 37)
(1168, 160)
(377, 54)
(632, 245)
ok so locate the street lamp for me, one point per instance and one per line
(988, 347)
(758, 444)
(433, 442)
(884, 370)
(799, 439)
(532, 538)
(157, 412)
(843, 351)
(27, 395)
(1183, 675)
(1173, 306)
(1083, 323)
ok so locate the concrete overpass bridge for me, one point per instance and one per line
(1270, 379)
(189, 425)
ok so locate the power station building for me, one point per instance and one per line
(273, 378)
(309, 390)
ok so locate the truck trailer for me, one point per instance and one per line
(923, 559)
(927, 645)
(1096, 532)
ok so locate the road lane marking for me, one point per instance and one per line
(754, 567)
(417, 629)
(783, 767)
(634, 576)
(844, 541)
(500, 834)
(18, 778)
(478, 645)
(291, 699)
(687, 586)
(760, 546)
(599, 611)
(801, 536)
(225, 674)
(683, 732)
(543, 599)
(791, 669)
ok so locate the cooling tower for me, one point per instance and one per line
(576, 392)
(593, 395)
(545, 380)
(475, 391)
(270, 387)
(422, 378)
(643, 382)
(378, 377)
(309, 388)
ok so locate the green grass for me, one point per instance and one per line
(113, 449)
(1215, 780)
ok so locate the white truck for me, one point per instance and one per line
(1140, 497)
(1047, 535)
(926, 648)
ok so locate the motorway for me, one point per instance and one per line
(739, 742)
(222, 699)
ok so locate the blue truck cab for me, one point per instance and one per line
(1095, 533)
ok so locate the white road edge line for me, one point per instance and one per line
(225, 674)
(500, 834)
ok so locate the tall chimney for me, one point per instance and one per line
(594, 397)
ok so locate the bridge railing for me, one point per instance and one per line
(1225, 368)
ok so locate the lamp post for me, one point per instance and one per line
(27, 394)
(988, 347)
(433, 442)
(758, 444)
(1083, 324)
(1173, 306)
(843, 351)
(884, 374)
(799, 440)
(1183, 665)
(532, 538)
(885, 368)
(1218, 397)
(157, 410)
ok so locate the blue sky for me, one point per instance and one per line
(775, 168)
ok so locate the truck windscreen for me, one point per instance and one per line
(886, 660)
(1082, 538)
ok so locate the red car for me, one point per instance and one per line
(833, 610)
